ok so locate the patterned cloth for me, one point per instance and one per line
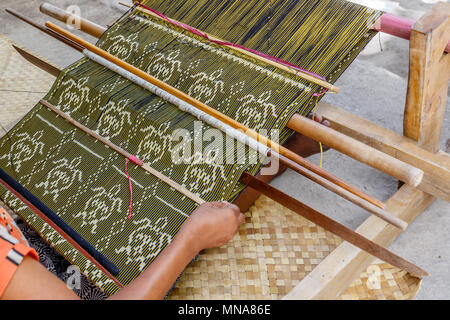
(84, 182)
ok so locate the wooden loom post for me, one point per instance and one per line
(338, 270)
(428, 78)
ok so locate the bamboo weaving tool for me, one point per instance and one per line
(311, 175)
(271, 192)
(314, 177)
(350, 147)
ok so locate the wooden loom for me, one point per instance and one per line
(424, 112)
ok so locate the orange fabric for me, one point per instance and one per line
(17, 250)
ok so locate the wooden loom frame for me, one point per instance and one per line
(429, 73)
(419, 146)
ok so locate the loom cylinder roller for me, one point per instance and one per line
(351, 147)
(356, 150)
(87, 26)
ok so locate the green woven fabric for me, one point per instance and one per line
(84, 182)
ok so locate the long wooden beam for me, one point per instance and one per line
(352, 148)
(297, 163)
(96, 30)
(436, 166)
(316, 178)
(275, 194)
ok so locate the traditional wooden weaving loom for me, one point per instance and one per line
(419, 164)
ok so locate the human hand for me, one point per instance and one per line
(213, 224)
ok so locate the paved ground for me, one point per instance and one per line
(374, 87)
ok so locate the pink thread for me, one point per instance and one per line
(136, 160)
(325, 90)
(230, 44)
(131, 188)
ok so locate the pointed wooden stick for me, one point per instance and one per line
(386, 216)
(275, 194)
(276, 151)
(126, 154)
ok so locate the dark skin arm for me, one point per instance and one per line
(210, 225)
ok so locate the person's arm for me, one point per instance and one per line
(210, 225)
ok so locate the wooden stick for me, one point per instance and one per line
(64, 16)
(126, 154)
(386, 216)
(356, 149)
(398, 26)
(53, 70)
(297, 159)
(44, 29)
(298, 207)
(87, 26)
(332, 226)
(351, 147)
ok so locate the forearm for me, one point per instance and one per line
(157, 279)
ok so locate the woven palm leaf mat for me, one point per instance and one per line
(274, 250)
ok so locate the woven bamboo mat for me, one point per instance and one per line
(21, 85)
(274, 250)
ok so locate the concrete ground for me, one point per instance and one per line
(374, 87)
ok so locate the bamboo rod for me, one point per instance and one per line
(63, 16)
(356, 149)
(295, 205)
(297, 159)
(87, 26)
(126, 154)
(330, 225)
(305, 172)
(386, 216)
(352, 148)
